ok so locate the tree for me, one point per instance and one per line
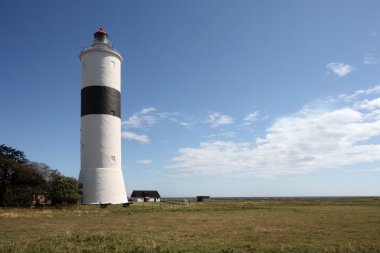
(13, 154)
(26, 181)
(64, 190)
(20, 179)
(11, 160)
(47, 173)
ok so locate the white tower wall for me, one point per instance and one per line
(101, 68)
(101, 178)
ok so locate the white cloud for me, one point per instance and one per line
(260, 141)
(150, 116)
(185, 124)
(366, 170)
(360, 93)
(147, 110)
(339, 68)
(176, 118)
(216, 119)
(368, 104)
(307, 141)
(136, 137)
(141, 119)
(251, 118)
(222, 134)
(144, 161)
(147, 118)
(370, 59)
(132, 122)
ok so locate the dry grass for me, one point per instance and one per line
(279, 225)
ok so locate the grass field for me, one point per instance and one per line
(266, 225)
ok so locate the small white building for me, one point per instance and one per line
(145, 196)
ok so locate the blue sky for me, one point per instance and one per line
(220, 98)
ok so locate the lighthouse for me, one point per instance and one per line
(101, 178)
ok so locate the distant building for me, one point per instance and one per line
(41, 198)
(145, 196)
(203, 198)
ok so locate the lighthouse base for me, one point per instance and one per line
(102, 185)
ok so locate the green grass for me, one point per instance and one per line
(272, 225)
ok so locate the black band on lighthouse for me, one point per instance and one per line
(100, 100)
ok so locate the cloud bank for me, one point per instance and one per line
(307, 141)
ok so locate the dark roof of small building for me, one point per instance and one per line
(144, 194)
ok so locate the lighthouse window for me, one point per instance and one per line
(83, 65)
(113, 64)
(113, 159)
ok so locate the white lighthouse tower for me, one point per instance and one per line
(101, 178)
